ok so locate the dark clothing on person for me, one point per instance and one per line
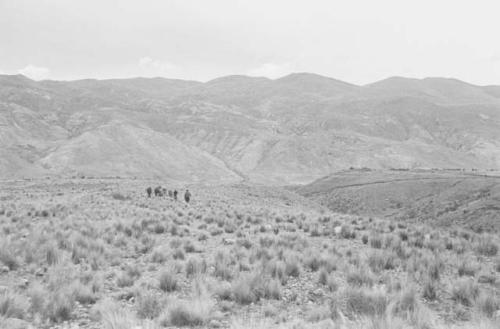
(187, 196)
(149, 190)
(175, 195)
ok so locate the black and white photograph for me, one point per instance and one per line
(249, 164)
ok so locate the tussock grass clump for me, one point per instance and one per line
(465, 292)
(222, 266)
(194, 312)
(359, 276)
(467, 267)
(124, 279)
(83, 293)
(277, 270)
(8, 257)
(292, 267)
(148, 305)
(382, 260)
(327, 279)
(376, 242)
(486, 246)
(60, 306)
(272, 289)
(195, 266)
(365, 302)
(430, 290)
(487, 304)
(13, 305)
(167, 281)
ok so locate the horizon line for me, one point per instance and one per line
(252, 77)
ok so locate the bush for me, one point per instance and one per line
(168, 281)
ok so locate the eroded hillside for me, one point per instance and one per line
(290, 130)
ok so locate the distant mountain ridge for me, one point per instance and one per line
(290, 130)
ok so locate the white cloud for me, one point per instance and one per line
(272, 70)
(154, 66)
(35, 72)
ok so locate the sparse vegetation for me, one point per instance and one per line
(156, 262)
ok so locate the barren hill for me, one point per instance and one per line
(290, 130)
(446, 198)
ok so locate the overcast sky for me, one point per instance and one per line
(358, 41)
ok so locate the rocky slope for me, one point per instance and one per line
(290, 130)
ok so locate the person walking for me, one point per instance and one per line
(187, 196)
(175, 195)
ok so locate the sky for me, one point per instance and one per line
(358, 41)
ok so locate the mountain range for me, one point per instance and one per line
(290, 130)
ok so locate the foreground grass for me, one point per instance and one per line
(71, 252)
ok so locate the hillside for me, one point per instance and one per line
(286, 131)
(443, 198)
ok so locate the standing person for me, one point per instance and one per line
(187, 196)
(175, 195)
(149, 190)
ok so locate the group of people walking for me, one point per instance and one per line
(161, 191)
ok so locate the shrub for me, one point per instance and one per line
(168, 281)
